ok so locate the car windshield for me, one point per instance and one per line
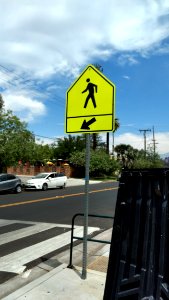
(41, 175)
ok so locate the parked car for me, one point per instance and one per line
(10, 182)
(44, 181)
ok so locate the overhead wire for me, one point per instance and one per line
(30, 83)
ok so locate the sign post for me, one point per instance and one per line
(86, 207)
(90, 107)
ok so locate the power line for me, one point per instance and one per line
(8, 82)
(18, 82)
(22, 85)
(12, 72)
(21, 80)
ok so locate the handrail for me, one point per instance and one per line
(88, 239)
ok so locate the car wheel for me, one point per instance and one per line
(63, 186)
(18, 189)
(44, 187)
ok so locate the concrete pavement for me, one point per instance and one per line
(62, 283)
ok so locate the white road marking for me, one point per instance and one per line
(27, 231)
(14, 262)
(24, 232)
(4, 222)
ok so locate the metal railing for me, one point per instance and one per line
(81, 238)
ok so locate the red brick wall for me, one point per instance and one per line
(33, 170)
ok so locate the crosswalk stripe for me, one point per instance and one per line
(15, 262)
(24, 232)
(27, 231)
(5, 222)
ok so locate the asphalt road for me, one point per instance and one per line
(59, 206)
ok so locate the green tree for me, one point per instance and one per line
(67, 145)
(126, 154)
(150, 161)
(15, 140)
(134, 158)
(18, 143)
(100, 163)
(42, 153)
(96, 141)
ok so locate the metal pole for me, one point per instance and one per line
(86, 207)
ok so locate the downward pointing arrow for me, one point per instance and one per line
(85, 124)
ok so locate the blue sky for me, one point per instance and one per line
(46, 45)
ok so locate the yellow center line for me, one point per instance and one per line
(54, 198)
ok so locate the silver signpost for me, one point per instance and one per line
(86, 207)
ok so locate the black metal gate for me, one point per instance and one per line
(139, 255)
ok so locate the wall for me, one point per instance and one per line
(33, 170)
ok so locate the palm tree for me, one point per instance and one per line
(117, 125)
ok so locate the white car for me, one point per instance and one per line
(44, 181)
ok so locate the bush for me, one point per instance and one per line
(100, 163)
(150, 161)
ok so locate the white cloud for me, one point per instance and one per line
(20, 103)
(162, 140)
(128, 125)
(127, 59)
(126, 77)
(57, 36)
(137, 141)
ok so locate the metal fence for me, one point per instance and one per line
(139, 255)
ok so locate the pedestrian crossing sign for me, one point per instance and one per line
(90, 103)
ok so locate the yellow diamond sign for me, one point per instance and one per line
(90, 105)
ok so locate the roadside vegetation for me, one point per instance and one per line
(18, 145)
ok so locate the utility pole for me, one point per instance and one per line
(154, 142)
(144, 133)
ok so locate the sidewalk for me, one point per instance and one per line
(62, 283)
(70, 181)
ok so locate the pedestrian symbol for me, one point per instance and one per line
(90, 88)
(90, 105)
